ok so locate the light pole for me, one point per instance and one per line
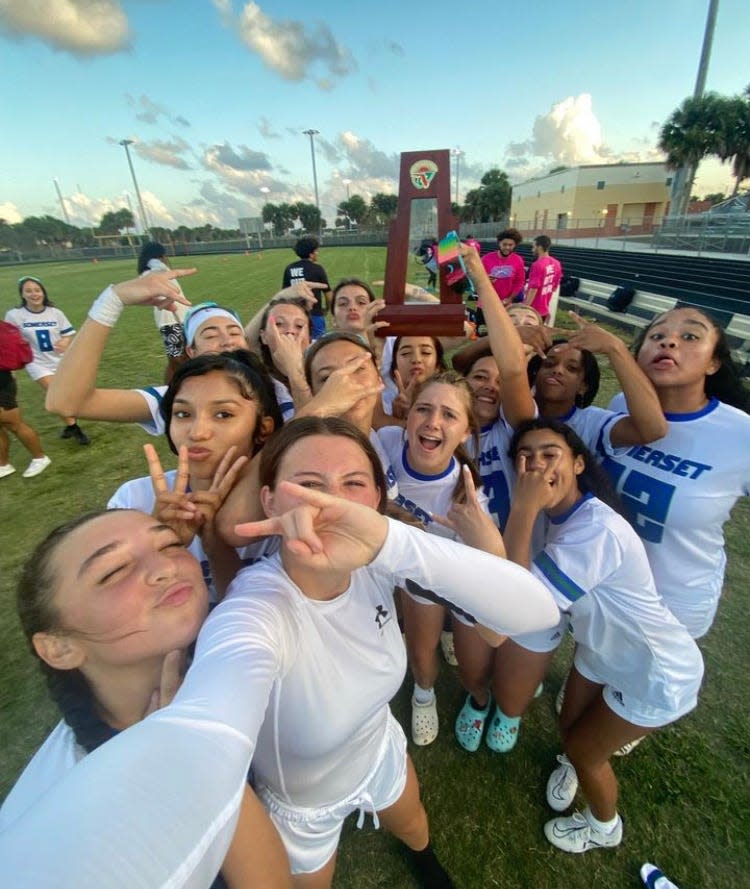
(312, 134)
(682, 181)
(125, 144)
(347, 183)
(265, 191)
(458, 154)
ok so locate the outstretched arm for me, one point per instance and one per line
(645, 421)
(73, 390)
(507, 348)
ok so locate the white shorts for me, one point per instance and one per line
(543, 641)
(311, 836)
(44, 367)
(631, 709)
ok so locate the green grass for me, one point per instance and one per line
(684, 791)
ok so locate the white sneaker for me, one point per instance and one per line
(653, 878)
(627, 748)
(37, 465)
(575, 834)
(424, 722)
(562, 785)
(449, 651)
(7, 469)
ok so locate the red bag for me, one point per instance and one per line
(15, 352)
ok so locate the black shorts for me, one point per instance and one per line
(7, 391)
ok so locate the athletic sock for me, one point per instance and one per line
(429, 871)
(601, 826)
(423, 695)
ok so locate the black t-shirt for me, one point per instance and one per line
(312, 272)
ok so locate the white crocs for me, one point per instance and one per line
(424, 722)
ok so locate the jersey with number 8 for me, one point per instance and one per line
(41, 330)
(679, 492)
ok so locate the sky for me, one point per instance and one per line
(215, 95)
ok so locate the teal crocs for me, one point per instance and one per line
(470, 725)
(503, 732)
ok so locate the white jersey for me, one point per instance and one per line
(283, 399)
(597, 570)
(390, 392)
(391, 484)
(41, 330)
(243, 669)
(138, 493)
(422, 495)
(680, 491)
(593, 425)
(495, 467)
(153, 396)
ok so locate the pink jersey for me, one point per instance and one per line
(507, 273)
(544, 277)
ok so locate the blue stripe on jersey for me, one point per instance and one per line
(67, 331)
(154, 393)
(713, 403)
(559, 579)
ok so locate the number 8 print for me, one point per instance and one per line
(44, 340)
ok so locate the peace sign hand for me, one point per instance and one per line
(402, 402)
(322, 534)
(191, 513)
(471, 522)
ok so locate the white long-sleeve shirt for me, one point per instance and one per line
(157, 805)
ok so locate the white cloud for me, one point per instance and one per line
(10, 213)
(166, 153)
(80, 27)
(290, 48)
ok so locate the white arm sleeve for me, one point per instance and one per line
(498, 593)
(156, 806)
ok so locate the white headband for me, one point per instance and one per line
(200, 315)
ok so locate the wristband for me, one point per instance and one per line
(107, 307)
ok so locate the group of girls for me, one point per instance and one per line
(280, 665)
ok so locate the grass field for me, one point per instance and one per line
(684, 799)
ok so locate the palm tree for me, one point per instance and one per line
(737, 142)
(692, 133)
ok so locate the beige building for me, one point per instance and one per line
(602, 197)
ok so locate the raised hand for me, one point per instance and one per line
(471, 522)
(592, 337)
(286, 350)
(156, 289)
(402, 402)
(320, 534)
(304, 290)
(172, 673)
(535, 488)
(345, 387)
(190, 512)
